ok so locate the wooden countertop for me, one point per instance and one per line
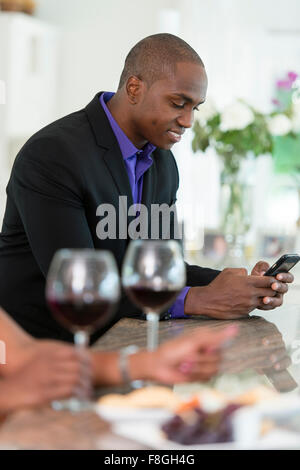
(262, 339)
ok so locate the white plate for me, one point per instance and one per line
(115, 414)
(150, 435)
(144, 426)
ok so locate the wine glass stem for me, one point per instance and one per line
(152, 331)
(81, 339)
(76, 403)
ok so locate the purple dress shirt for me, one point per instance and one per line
(137, 162)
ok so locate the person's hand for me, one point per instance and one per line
(54, 371)
(279, 286)
(188, 358)
(232, 294)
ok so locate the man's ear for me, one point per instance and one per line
(134, 89)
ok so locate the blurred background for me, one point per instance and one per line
(239, 166)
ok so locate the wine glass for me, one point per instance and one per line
(82, 291)
(153, 274)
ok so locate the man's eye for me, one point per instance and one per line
(178, 106)
(196, 108)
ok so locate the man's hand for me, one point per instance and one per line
(279, 286)
(232, 294)
(188, 358)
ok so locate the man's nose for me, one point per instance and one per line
(186, 119)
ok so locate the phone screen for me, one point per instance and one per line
(283, 265)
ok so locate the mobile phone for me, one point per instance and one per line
(282, 380)
(283, 265)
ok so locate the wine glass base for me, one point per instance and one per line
(136, 384)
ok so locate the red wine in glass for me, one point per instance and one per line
(76, 316)
(145, 297)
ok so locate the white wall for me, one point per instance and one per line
(97, 35)
(245, 45)
(233, 37)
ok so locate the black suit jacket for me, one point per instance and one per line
(59, 178)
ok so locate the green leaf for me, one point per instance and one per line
(286, 153)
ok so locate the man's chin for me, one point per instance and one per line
(162, 143)
(166, 146)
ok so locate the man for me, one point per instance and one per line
(119, 145)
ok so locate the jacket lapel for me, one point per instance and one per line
(114, 161)
(116, 166)
(106, 139)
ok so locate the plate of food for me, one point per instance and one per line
(153, 403)
(161, 419)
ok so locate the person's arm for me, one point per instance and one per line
(17, 342)
(196, 276)
(48, 191)
(199, 276)
(234, 294)
(38, 371)
(50, 368)
(191, 357)
(53, 371)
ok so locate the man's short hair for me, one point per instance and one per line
(156, 55)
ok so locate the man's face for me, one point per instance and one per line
(166, 109)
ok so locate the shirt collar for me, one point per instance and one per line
(128, 149)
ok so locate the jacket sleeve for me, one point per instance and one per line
(197, 276)
(48, 193)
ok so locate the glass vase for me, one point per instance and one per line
(236, 214)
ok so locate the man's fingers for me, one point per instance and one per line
(262, 281)
(280, 287)
(265, 292)
(268, 303)
(260, 268)
(236, 271)
(285, 277)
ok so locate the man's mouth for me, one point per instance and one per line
(174, 136)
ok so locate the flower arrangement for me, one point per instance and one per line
(285, 125)
(233, 132)
(240, 129)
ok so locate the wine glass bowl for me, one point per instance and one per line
(153, 274)
(82, 291)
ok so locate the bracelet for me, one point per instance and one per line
(123, 362)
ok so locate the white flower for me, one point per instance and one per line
(279, 125)
(296, 117)
(207, 110)
(236, 116)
